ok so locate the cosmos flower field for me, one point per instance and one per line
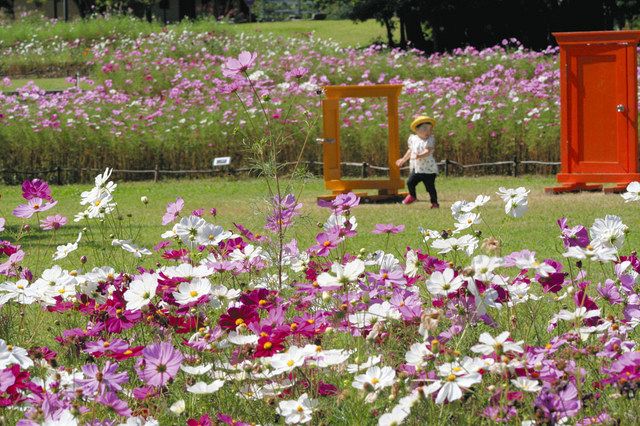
(232, 325)
(161, 98)
(240, 326)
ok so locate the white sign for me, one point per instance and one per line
(221, 161)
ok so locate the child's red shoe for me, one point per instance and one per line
(435, 206)
(408, 199)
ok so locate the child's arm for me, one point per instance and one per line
(401, 161)
(424, 153)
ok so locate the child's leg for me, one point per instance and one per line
(430, 183)
(412, 181)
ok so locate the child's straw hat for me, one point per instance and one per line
(421, 119)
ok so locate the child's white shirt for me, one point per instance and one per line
(425, 164)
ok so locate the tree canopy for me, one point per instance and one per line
(434, 25)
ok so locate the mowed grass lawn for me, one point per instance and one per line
(244, 201)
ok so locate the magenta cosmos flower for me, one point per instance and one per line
(161, 363)
(33, 206)
(233, 66)
(53, 222)
(382, 228)
(36, 188)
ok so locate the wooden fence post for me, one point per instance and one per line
(58, 175)
(156, 172)
(446, 167)
(515, 167)
(365, 170)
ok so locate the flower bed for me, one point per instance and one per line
(234, 326)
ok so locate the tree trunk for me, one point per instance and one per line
(413, 29)
(403, 34)
(389, 27)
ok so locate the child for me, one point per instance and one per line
(422, 165)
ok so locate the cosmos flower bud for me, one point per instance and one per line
(83, 259)
(144, 199)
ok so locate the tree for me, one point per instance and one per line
(483, 23)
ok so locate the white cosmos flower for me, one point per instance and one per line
(483, 267)
(55, 281)
(10, 355)
(188, 230)
(21, 292)
(498, 345)
(526, 385)
(460, 207)
(466, 220)
(205, 388)
(384, 310)
(191, 291)
(600, 254)
(450, 387)
(579, 314)
(340, 221)
(413, 264)
(141, 291)
(64, 250)
(64, 418)
(400, 412)
(242, 339)
(443, 283)
(466, 243)
(196, 370)
(328, 358)
(178, 407)
(362, 319)
(297, 411)
(429, 234)
(370, 362)
(287, 361)
(211, 235)
(510, 194)
(516, 208)
(127, 245)
(375, 378)
(633, 192)
(342, 275)
(249, 252)
(417, 355)
(608, 232)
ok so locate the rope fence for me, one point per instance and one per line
(62, 175)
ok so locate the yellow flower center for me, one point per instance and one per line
(451, 378)
(326, 243)
(299, 409)
(456, 369)
(239, 321)
(193, 293)
(106, 344)
(262, 302)
(267, 345)
(20, 286)
(375, 381)
(290, 363)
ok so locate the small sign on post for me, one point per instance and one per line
(221, 161)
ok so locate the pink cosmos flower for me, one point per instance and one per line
(33, 206)
(382, 228)
(173, 211)
(36, 188)
(53, 222)
(111, 400)
(160, 364)
(102, 380)
(233, 66)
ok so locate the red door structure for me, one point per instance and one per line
(598, 110)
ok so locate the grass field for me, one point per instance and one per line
(243, 201)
